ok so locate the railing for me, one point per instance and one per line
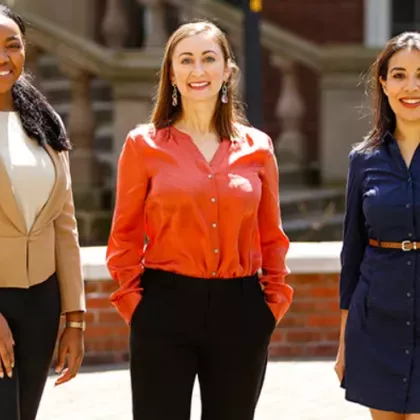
(81, 60)
(286, 52)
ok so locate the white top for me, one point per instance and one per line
(30, 168)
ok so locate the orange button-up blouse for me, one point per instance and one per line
(217, 219)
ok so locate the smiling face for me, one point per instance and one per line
(199, 68)
(402, 85)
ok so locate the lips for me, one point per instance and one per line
(5, 73)
(198, 85)
(410, 102)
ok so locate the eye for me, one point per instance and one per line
(209, 59)
(14, 46)
(186, 61)
(398, 76)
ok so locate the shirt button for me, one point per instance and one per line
(408, 205)
(410, 235)
(408, 323)
(407, 351)
(408, 294)
(214, 225)
(213, 273)
(216, 251)
(213, 200)
(404, 379)
(210, 176)
(408, 262)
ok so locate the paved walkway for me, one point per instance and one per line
(294, 390)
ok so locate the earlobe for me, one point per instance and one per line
(383, 84)
(228, 74)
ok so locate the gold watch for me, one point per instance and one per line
(81, 325)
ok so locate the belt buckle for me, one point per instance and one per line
(404, 245)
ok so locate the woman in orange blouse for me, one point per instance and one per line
(202, 186)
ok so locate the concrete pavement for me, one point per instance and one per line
(293, 390)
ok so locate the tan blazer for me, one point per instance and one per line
(51, 245)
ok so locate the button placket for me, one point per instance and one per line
(213, 225)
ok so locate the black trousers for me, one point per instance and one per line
(33, 315)
(216, 329)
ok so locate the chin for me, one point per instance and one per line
(411, 119)
(5, 87)
(202, 99)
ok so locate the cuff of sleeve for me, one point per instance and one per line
(345, 303)
(126, 304)
(279, 309)
(76, 303)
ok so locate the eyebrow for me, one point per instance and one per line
(400, 69)
(204, 53)
(13, 38)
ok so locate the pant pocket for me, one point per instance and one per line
(270, 316)
(138, 309)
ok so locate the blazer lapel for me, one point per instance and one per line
(51, 204)
(8, 200)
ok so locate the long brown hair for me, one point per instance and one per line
(383, 116)
(225, 115)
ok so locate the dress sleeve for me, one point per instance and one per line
(274, 242)
(354, 233)
(126, 242)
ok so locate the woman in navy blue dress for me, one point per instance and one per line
(378, 360)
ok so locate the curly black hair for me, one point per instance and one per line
(38, 118)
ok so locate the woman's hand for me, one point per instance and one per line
(71, 345)
(339, 362)
(7, 354)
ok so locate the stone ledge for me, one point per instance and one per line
(303, 258)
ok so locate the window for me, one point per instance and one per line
(405, 16)
(377, 22)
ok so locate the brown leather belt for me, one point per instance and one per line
(404, 245)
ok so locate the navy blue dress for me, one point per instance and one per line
(380, 287)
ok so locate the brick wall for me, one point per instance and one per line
(310, 328)
(106, 335)
(320, 21)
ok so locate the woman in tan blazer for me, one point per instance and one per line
(40, 268)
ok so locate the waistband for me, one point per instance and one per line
(153, 276)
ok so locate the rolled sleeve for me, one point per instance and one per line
(355, 236)
(126, 242)
(274, 242)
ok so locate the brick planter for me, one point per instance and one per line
(309, 329)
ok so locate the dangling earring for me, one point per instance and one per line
(224, 97)
(175, 96)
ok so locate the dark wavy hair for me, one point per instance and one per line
(38, 118)
(383, 116)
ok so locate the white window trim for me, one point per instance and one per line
(377, 22)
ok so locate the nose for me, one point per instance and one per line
(412, 84)
(198, 68)
(4, 56)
